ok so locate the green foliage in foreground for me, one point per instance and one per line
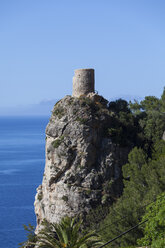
(31, 237)
(144, 179)
(66, 234)
(154, 231)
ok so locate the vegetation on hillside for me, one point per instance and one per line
(144, 174)
(154, 230)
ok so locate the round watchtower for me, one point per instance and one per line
(83, 82)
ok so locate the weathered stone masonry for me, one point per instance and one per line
(83, 82)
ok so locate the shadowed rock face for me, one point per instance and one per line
(80, 160)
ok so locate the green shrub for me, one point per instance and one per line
(59, 112)
(40, 196)
(81, 120)
(56, 143)
(65, 198)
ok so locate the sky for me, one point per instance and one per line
(42, 42)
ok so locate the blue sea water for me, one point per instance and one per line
(22, 155)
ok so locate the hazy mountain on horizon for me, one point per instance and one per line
(45, 107)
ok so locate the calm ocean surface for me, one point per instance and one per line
(22, 153)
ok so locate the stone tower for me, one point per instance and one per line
(83, 82)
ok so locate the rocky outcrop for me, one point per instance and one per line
(83, 166)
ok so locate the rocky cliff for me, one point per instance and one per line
(83, 166)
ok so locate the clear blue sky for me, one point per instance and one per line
(43, 41)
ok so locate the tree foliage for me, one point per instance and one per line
(144, 179)
(150, 114)
(154, 231)
(123, 125)
(31, 237)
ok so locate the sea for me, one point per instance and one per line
(22, 159)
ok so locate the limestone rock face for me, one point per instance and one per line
(82, 163)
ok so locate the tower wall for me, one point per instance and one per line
(83, 82)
